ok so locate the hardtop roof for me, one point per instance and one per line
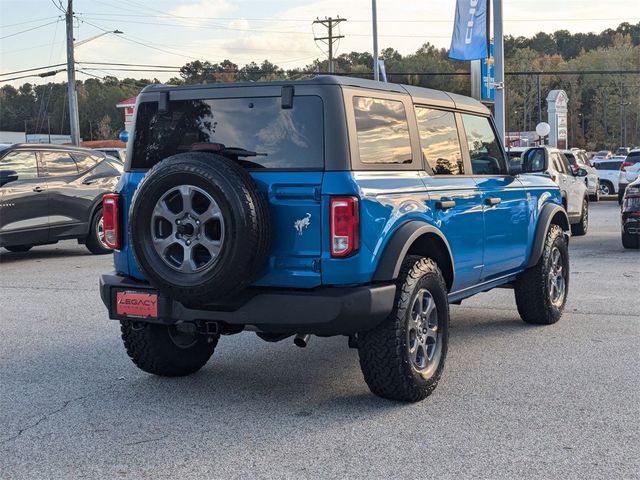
(427, 96)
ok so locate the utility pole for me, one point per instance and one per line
(330, 39)
(499, 67)
(74, 122)
(374, 17)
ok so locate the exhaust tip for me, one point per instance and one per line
(301, 340)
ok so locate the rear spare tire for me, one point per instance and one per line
(199, 228)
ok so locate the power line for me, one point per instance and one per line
(329, 23)
(303, 20)
(30, 29)
(28, 21)
(32, 69)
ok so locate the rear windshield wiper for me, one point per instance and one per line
(240, 152)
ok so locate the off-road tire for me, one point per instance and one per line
(579, 229)
(630, 241)
(247, 232)
(532, 290)
(384, 350)
(92, 241)
(19, 248)
(153, 350)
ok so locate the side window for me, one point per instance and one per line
(484, 148)
(382, 130)
(24, 163)
(439, 140)
(85, 162)
(59, 164)
(562, 163)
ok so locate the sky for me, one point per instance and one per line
(172, 33)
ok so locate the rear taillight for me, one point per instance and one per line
(110, 218)
(624, 165)
(345, 226)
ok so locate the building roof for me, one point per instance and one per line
(129, 102)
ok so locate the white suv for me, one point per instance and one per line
(578, 159)
(609, 173)
(575, 197)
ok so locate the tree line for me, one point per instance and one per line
(602, 107)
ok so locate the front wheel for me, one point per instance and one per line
(541, 291)
(403, 358)
(165, 351)
(581, 227)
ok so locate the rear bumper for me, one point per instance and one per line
(321, 311)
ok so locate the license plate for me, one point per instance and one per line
(137, 304)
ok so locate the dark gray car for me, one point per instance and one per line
(50, 193)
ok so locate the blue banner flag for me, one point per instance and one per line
(469, 41)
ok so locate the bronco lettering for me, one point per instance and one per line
(472, 13)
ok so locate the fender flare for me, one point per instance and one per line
(547, 214)
(394, 253)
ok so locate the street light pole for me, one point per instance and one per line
(498, 45)
(374, 15)
(74, 122)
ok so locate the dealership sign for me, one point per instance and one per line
(557, 107)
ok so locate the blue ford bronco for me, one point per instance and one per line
(330, 206)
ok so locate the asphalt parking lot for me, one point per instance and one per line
(516, 401)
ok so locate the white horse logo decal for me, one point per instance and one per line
(302, 224)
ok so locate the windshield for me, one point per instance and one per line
(283, 138)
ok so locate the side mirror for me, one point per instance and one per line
(581, 172)
(7, 176)
(535, 160)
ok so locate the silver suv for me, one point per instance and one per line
(578, 159)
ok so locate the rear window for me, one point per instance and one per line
(633, 157)
(607, 165)
(287, 138)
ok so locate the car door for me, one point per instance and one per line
(454, 197)
(562, 179)
(575, 186)
(504, 201)
(23, 202)
(68, 203)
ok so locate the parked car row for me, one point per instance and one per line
(50, 193)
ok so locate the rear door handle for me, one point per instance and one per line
(492, 200)
(38, 189)
(445, 204)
